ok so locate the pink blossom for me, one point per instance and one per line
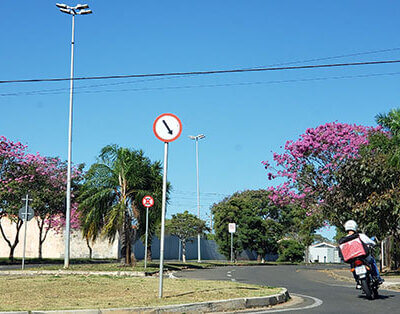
(308, 164)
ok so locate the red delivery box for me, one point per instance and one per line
(352, 249)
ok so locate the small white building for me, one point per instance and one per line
(323, 253)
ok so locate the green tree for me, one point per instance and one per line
(291, 251)
(110, 201)
(367, 188)
(257, 219)
(185, 226)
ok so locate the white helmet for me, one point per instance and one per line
(350, 225)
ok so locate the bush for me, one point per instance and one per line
(290, 251)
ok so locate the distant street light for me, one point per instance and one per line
(79, 9)
(197, 138)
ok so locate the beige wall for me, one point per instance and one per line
(53, 247)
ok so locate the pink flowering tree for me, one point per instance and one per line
(308, 166)
(48, 193)
(43, 178)
(12, 158)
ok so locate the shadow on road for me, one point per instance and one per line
(380, 297)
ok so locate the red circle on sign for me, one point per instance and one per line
(175, 137)
(147, 201)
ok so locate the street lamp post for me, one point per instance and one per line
(197, 138)
(80, 9)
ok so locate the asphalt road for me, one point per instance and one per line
(320, 293)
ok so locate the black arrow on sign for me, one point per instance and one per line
(166, 125)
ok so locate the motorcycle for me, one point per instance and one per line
(362, 273)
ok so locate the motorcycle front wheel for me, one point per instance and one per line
(375, 293)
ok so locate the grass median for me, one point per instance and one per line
(30, 293)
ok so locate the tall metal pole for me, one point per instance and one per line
(198, 198)
(147, 231)
(26, 223)
(163, 210)
(68, 203)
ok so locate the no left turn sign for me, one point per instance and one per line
(147, 201)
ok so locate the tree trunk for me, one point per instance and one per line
(389, 252)
(259, 258)
(12, 246)
(149, 258)
(126, 242)
(11, 255)
(306, 255)
(396, 257)
(40, 222)
(184, 251)
(40, 249)
(40, 225)
(89, 247)
(128, 248)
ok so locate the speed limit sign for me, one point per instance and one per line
(147, 201)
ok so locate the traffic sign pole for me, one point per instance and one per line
(231, 247)
(232, 230)
(167, 128)
(164, 199)
(147, 202)
(145, 245)
(26, 223)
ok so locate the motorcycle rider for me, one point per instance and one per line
(351, 228)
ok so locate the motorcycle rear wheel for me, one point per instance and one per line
(366, 288)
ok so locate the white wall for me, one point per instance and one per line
(53, 247)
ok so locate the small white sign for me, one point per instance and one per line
(167, 127)
(232, 227)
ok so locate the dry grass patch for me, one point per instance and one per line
(92, 292)
(151, 267)
(98, 267)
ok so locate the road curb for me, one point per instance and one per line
(71, 272)
(202, 307)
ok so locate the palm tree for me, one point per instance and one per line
(110, 202)
(390, 122)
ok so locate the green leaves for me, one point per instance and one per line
(110, 201)
(258, 220)
(185, 225)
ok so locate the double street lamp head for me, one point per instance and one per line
(197, 137)
(79, 9)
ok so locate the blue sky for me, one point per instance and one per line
(244, 121)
